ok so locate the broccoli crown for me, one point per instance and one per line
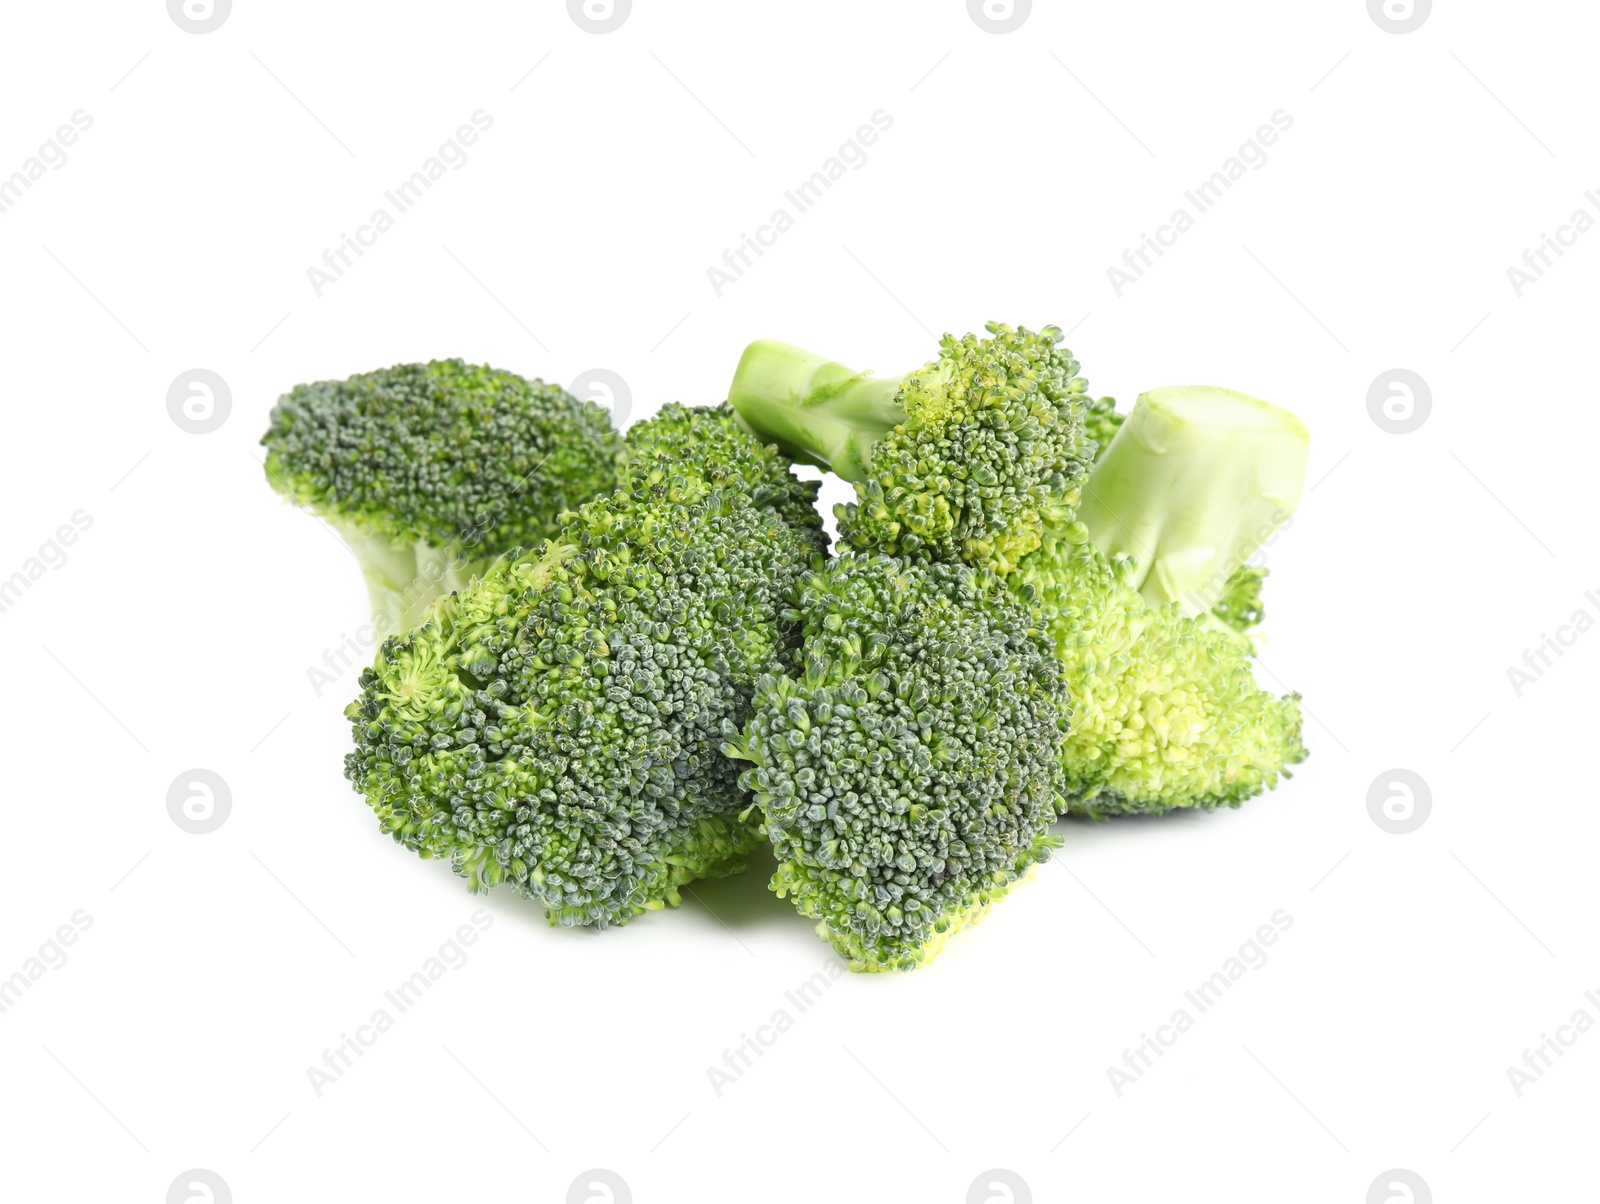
(557, 724)
(993, 446)
(709, 440)
(909, 774)
(446, 453)
(1166, 712)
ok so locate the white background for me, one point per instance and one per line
(181, 629)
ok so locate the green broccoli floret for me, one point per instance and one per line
(1166, 710)
(429, 471)
(968, 458)
(1139, 571)
(710, 440)
(909, 774)
(557, 724)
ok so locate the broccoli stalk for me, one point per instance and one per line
(813, 409)
(969, 457)
(404, 576)
(1146, 599)
(1193, 482)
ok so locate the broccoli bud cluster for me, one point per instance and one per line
(993, 447)
(910, 773)
(557, 724)
(638, 662)
(431, 470)
(1166, 710)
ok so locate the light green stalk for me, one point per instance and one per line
(1193, 483)
(404, 576)
(815, 410)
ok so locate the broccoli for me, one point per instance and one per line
(429, 471)
(1230, 469)
(1102, 422)
(908, 774)
(1137, 570)
(1166, 710)
(710, 441)
(968, 458)
(557, 724)
(1238, 604)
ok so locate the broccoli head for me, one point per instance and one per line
(709, 440)
(1166, 712)
(429, 471)
(967, 458)
(908, 774)
(557, 724)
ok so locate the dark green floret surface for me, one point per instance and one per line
(444, 452)
(909, 773)
(556, 725)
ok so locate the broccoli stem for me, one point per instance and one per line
(405, 576)
(815, 410)
(1193, 483)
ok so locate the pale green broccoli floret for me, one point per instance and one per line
(909, 773)
(430, 471)
(1166, 712)
(557, 724)
(967, 458)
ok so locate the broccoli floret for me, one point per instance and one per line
(710, 440)
(557, 724)
(967, 458)
(1101, 423)
(1166, 710)
(429, 471)
(1240, 607)
(909, 774)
